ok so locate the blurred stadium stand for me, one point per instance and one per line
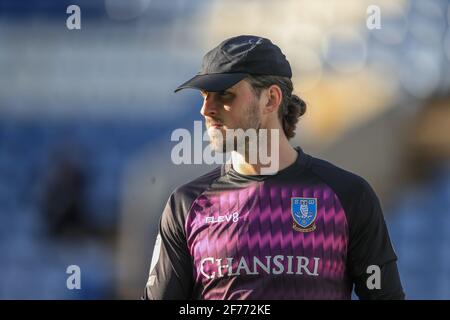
(419, 217)
(30, 151)
(419, 224)
(81, 105)
(86, 118)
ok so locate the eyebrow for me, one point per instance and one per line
(203, 92)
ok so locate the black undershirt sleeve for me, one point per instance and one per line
(172, 269)
(170, 275)
(369, 243)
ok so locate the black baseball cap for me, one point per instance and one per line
(236, 58)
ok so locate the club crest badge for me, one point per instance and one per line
(304, 213)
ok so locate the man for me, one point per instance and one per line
(309, 230)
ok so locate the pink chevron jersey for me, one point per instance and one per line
(308, 232)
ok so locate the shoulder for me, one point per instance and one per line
(182, 198)
(344, 180)
(196, 186)
(350, 188)
(184, 195)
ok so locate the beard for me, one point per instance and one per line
(225, 141)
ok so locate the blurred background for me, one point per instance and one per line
(86, 118)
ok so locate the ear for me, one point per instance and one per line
(274, 95)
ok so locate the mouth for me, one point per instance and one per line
(214, 125)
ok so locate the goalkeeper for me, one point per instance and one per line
(309, 230)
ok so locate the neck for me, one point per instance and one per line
(274, 156)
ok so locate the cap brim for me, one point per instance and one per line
(212, 82)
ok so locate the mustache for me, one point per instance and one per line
(213, 122)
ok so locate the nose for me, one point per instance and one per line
(209, 107)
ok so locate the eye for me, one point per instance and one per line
(226, 94)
